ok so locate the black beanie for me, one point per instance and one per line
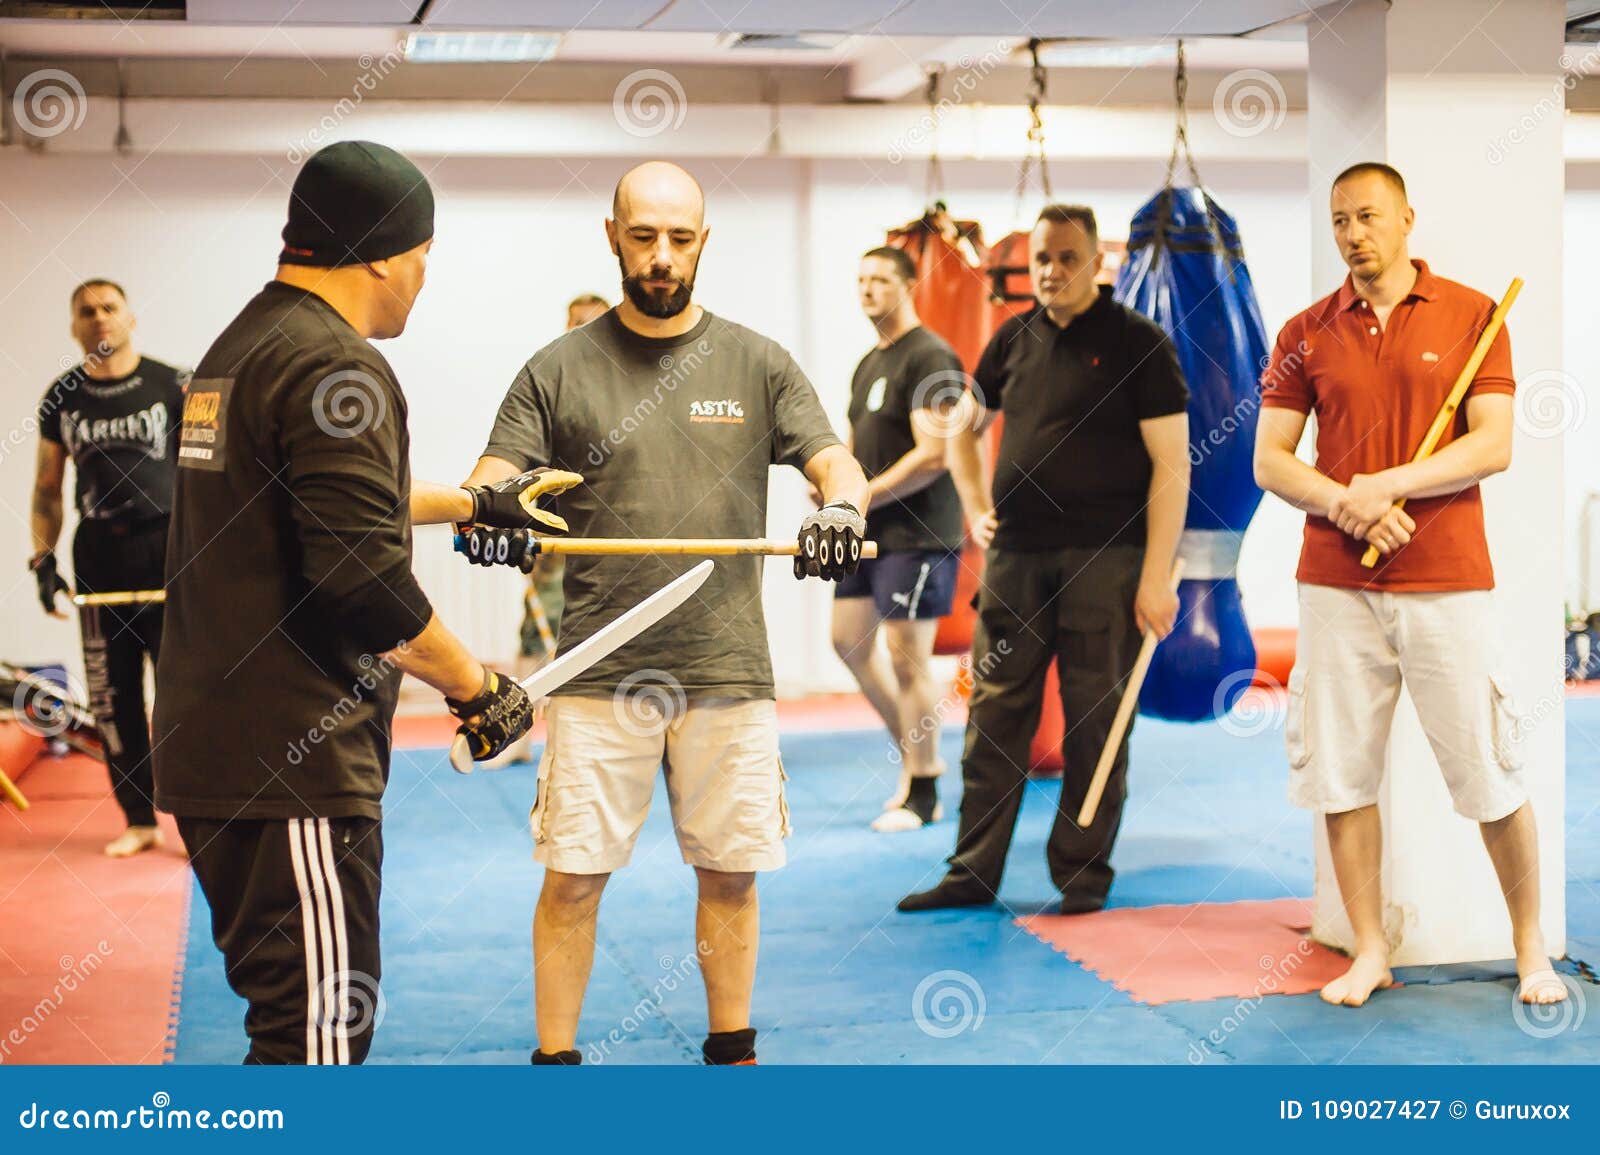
(354, 202)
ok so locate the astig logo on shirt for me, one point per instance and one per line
(725, 412)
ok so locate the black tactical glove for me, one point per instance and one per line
(43, 565)
(502, 714)
(830, 542)
(486, 547)
(512, 503)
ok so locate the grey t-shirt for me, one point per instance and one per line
(673, 437)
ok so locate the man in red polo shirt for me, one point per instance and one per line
(1375, 361)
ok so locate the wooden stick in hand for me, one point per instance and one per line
(690, 546)
(1458, 391)
(1119, 724)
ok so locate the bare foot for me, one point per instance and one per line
(1537, 983)
(134, 840)
(901, 790)
(902, 819)
(1368, 972)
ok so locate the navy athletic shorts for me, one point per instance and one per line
(906, 584)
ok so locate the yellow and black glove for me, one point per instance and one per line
(523, 501)
(497, 717)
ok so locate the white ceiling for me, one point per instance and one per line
(1095, 18)
(1285, 49)
(884, 41)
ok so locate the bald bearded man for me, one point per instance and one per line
(673, 417)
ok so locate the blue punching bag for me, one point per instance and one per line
(1185, 270)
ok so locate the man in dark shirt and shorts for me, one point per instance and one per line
(1090, 491)
(674, 417)
(116, 417)
(292, 610)
(899, 399)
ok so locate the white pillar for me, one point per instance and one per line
(1465, 98)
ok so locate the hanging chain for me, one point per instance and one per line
(1180, 137)
(1035, 155)
(1180, 143)
(123, 142)
(935, 184)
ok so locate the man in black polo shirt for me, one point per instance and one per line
(292, 610)
(1090, 491)
(115, 417)
(898, 399)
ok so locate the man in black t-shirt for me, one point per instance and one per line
(1090, 490)
(115, 417)
(899, 398)
(292, 610)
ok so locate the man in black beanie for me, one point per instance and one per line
(292, 609)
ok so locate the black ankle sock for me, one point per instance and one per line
(727, 1048)
(923, 797)
(559, 1059)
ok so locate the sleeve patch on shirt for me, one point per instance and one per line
(204, 433)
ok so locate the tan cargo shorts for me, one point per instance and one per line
(1353, 650)
(598, 773)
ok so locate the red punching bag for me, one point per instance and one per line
(952, 291)
(952, 299)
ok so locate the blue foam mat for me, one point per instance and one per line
(840, 971)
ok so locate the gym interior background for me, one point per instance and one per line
(162, 159)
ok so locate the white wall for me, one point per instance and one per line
(1581, 362)
(193, 237)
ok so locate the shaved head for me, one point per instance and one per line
(659, 186)
(657, 229)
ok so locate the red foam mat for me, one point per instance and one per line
(1166, 954)
(89, 946)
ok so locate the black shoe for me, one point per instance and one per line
(947, 895)
(559, 1059)
(1082, 903)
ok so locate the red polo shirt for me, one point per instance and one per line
(1376, 390)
